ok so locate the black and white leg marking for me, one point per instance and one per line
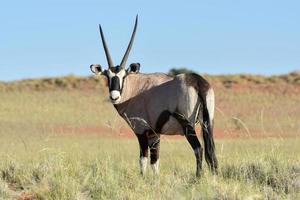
(154, 145)
(143, 141)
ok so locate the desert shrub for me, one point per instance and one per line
(183, 70)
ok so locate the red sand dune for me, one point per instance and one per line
(128, 133)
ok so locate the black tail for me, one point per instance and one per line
(207, 131)
(203, 87)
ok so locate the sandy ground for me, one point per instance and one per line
(128, 133)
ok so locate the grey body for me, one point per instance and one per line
(155, 104)
(146, 96)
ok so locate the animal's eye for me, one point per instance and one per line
(105, 73)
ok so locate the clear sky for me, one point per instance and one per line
(60, 37)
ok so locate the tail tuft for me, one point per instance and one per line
(207, 130)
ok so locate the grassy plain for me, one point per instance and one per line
(52, 147)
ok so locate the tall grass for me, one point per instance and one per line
(91, 167)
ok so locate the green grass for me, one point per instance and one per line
(39, 162)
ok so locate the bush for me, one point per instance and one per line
(176, 71)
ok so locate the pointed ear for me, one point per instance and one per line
(134, 68)
(96, 69)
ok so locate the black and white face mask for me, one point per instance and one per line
(115, 78)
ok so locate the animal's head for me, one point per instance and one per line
(116, 73)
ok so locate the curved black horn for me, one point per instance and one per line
(109, 60)
(123, 63)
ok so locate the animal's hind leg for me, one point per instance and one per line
(192, 138)
(154, 144)
(143, 141)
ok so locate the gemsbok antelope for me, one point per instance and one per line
(155, 104)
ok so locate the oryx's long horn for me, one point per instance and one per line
(108, 58)
(123, 63)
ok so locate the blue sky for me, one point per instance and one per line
(56, 38)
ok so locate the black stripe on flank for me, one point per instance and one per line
(162, 120)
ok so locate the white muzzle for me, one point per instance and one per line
(115, 96)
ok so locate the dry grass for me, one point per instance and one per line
(89, 167)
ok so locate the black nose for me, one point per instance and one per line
(114, 99)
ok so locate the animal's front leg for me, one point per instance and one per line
(143, 141)
(154, 144)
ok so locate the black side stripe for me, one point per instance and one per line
(162, 120)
